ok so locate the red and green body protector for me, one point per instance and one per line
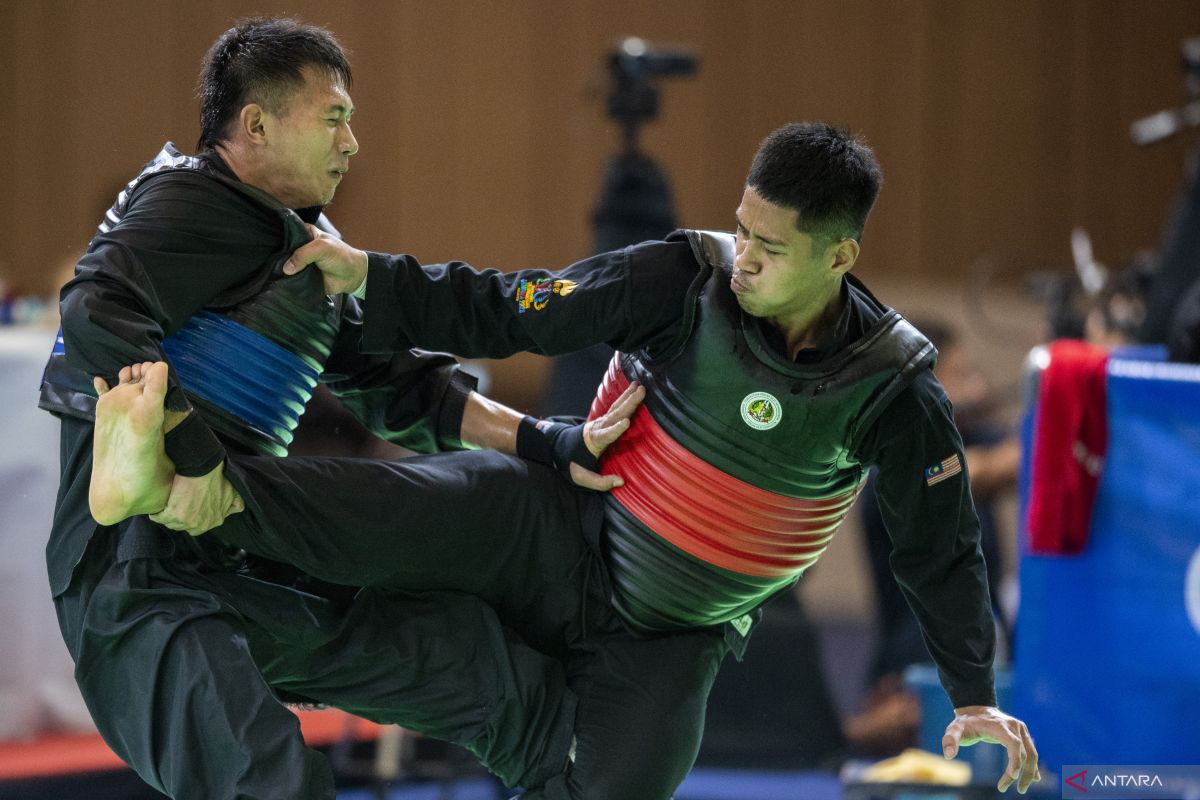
(740, 465)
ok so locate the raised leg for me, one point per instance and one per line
(495, 526)
(131, 473)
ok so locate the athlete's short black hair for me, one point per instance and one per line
(261, 60)
(826, 174)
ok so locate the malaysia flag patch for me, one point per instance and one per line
(942, 470)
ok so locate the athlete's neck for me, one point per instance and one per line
(805, 328)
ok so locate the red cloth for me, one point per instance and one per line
(1070, 439)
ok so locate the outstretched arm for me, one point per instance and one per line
(628, 299)
(425, 402)
(573, 449)
(925, 499)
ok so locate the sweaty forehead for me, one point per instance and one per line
(766, 219)
(326, 89)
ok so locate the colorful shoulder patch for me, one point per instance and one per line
(536, 294)
(942, 470)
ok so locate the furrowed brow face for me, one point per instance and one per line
(764, 239)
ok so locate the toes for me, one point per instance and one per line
(155, 376)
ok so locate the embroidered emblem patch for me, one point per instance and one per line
(943, 470)
(741, 624)
(761, 411)
(536, 294)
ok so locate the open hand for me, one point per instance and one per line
(601, 432)
(989, 724)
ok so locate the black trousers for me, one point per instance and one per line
(516, 535)
(180, 660)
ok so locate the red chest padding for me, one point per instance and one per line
(703, 511)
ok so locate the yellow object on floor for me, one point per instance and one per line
(918, 766)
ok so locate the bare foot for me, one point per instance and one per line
(131, 474)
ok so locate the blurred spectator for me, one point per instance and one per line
(1173, 297)
(1118, 311)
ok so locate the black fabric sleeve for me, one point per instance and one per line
(184, 240)
(936, 557)
(627, 299)
(412, 397)
(193, 448)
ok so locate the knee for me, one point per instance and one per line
(652, 771)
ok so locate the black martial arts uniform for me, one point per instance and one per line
(182, 647)
(661, 604)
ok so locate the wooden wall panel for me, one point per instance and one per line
(1000, 125)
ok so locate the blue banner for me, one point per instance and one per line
(1107, 657)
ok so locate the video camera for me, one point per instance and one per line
(634, 65)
